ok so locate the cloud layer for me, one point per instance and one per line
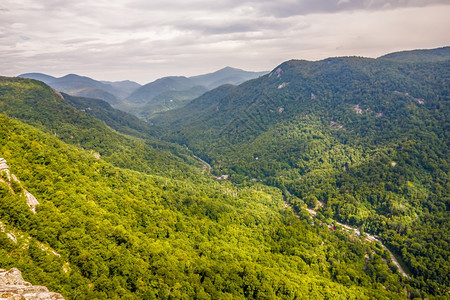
(143, 40)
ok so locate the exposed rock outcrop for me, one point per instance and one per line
(4, 168)
(12, 286)
(32, 202)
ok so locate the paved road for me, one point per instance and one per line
(200, 160)
(369, 237)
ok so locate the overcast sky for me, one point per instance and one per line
(143, 40)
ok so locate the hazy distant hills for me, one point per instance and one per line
(180, 83)
(86, 87)
(123, 88)
(226, 75)
(170, 92)
(119, 120)
(159, 86)
(423, 55)
(160, 95)
(39, 76)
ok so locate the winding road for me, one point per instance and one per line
(205, 164)
(368, 237)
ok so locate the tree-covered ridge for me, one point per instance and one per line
(124, 234)
(35, 103)
(114, 118)
(368, 138)
(82, 86)
(424, 55)
(131, 217)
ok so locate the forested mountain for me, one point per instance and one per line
(124, 88)
(75, 85)
(35, 103)
(175, 91)
(141, 221)
(159, 86)
(425, 55)
(114, 118)
(143, 101)
(366, 140)
(227, 75)
(300, 156)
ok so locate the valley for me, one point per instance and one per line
(318, 180)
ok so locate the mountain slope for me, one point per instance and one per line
(37, 104)
(425, 55)
(159, 86)
(114, 118)
(167, 101)
(83, 86)
(226, 75)
(367, 138)
(172, 92)
(39, 76)
(123, 88)
(122, 234)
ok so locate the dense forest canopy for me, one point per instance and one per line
(329, 167)
(367, 139)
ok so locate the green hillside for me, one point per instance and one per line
(164, 101)
(114, 118)
(103, 232)
(368, 138)
(36, 104)
(424, 55)
(82, 86)
(175, 91)
(328, 180)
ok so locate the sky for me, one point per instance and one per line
(143, 40)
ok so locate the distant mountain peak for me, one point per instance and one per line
(228, 68)
(78, 85)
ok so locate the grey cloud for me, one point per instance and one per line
(282, 8)
(238, 26)
(143, 40)
(186, 5)
(77, 40)
(286, 8)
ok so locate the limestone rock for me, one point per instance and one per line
(3, 164)
(12, 287)
(31, 201)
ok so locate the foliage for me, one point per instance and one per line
(125, 234)
(361, 141)
(114, 118)
(367, 138)
(35, 103)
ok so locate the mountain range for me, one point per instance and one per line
(86, 87)
(366, 140)
(162, 94)
(310, 181)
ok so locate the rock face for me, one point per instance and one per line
(32, 202)
(13, 287)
